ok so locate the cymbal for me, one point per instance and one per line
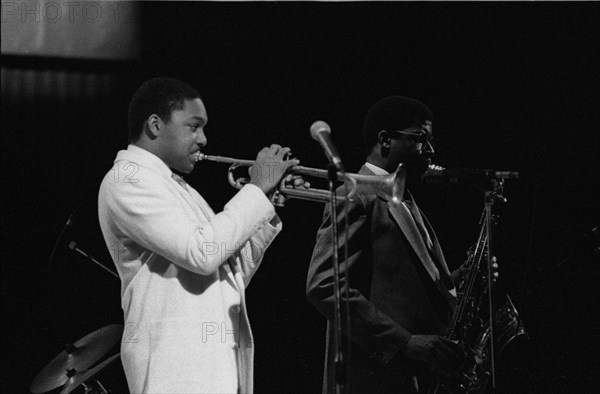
(81, 377)
(77, 357)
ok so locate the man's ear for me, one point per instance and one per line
(384, 139)
(154, 126)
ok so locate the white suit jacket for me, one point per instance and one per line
(183, 271)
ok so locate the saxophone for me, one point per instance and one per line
(470, 324)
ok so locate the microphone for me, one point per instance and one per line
(320, 131)
(455, 176)
(62, 234)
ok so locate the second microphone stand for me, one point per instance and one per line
(339, 359)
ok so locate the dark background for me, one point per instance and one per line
(513, 86)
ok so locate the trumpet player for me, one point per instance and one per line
(184, 267)
(395, 281)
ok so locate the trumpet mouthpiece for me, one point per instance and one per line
(199, 156)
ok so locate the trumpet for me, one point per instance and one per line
(390, 186)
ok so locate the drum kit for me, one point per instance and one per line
(78, 367)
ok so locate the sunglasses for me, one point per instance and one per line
(417, 136)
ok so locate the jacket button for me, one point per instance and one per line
(236, 309)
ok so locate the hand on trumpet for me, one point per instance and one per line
(271, 166)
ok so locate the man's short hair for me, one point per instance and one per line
(392, 113)
(160, 96)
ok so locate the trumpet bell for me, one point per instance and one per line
(390, 187)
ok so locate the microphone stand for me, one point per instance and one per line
(489, 197)
(73, 246)
(61, 235)
(339, 361)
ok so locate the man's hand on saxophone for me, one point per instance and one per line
(442, 353)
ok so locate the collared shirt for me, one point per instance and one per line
(376, 170)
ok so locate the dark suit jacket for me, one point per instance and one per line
(391, 295)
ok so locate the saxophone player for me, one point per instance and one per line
(400, 291)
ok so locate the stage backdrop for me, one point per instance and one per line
(71, 29)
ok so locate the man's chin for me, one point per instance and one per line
(184, 169)
(187, 166)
